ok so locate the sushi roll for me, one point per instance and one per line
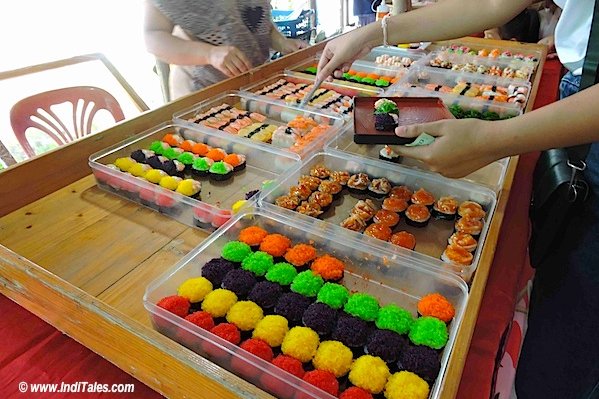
(463, 240)
(216, 154)
(365, 210)
(187, 145)
(201, 166)
(142, 155)
(172, 153)
(174, 140)
(469, 226)
(155, 175)
(387, 154)
(358, 183)
(287, 201)
(200, 149)
(396, 205)
(284, 137)
(189, 187)
(353, 223)
(401, 192)
(403, 239)
(386, 115)
(186, 159)
(320, 171)
(173, 168)
(125, 163)
(236, 160)
(445, 208)
(309, 209)
(417, 215)
(139, 169)
(340, 176)
(170, 182)
(220, 171)
(324, 200)
(156, 161)
(422, 197)
(330, 186)
(159, 147)
(471, 209)
(379, 187)
(386, 217)
(310, 181)
(457, 256)
(301, 191)
(378, 230)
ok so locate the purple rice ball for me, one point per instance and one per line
(321, 318)
(292, 306)
(351, 331)
(386, 344)
(216, 269)
(421, 360)
(239, 281)
(265, 294)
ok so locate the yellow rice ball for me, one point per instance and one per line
(333, 356)
(300, 343)
(218, 302)
(406, 385)
(245, 315)
(195, 289)
(272, 330)
(370, 373)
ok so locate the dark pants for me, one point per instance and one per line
(560, 355)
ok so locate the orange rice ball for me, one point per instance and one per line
(252, 235)
(275, 245)
(436, 305)
(328, 267)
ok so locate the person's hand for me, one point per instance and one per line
(229, 60)
(287, 46)
(549, 41)
(339, 54)
(460, 147)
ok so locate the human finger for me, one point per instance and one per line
(242, 62)
(325, 58)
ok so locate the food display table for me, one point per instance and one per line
(81, 258)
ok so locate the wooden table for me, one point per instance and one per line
(81, 258)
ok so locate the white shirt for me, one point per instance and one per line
(572, 32)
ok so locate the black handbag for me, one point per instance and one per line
(559, 186)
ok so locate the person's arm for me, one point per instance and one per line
(447, 19)
(160, 41)
(283, 44)
(466, 145)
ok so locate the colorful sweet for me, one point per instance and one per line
(220, 171)
(275, 245)
(445, 208)
(170, 182)
(307, 283)
(218, 302)
(340, 176)
(429, 331)
(300, 255)
(237, 161)
(139, 170)
(142, 155)
(290, 365)
(392, 317)
(201, 166)
(287, 202)
(235, 251)
(189, 187)
(200, 149)
(378, 230)
(155, 175)
(312, 182)
(159, 147)
(228, 332)
(457, 255)
(355, 393)
(328, 267)
(125, 163)
(394, 204)
(175, 304)
(334, 357)
(436, 305)
(201, 319)
(172, 153)
(186, 159)
(463, 240)
(403, 239)
(364, 209)
(239, 281)
(406, 385)
(324, 380)
(369, 372)
(469, 225)
(334, 295)
(252, 235)
(216, 269)
(300, 343)
(271, 329)
(471, 209)
(386, 115)
(385, 344)
(281, 273)
(258, 263)
(320, 317)
(417, 215)
(292, 306)
(330, 186)
(362, 305)
(266, 294)
(173, 167)
(351, 331)
(309, 209)
(258, 348)
(195, 289)
(245, 315)
(173, 140)
(322, 199)
(187, 145)
(421, 360)
(358, 183)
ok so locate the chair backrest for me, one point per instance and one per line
(35, 112)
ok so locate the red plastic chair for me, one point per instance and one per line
(36, 112)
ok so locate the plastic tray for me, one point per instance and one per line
(455, 58)
(529, 52)
(411, 111)
(418, 77)
(431, 240)
(391, 280)
(490, 176)
(277, 114)
(414, 55)
(214, 208)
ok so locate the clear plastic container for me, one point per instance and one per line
(389, 279)
(217, 198)
(276, 113)
(431, 240)
(535, 53)
(413, 84)
(415, 55)
(491, 176)
(454, 59)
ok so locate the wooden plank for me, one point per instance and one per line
(148, 356)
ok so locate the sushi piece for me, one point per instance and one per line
(139, 169)
(216, 154)
(220, 171)
(287, 202)
(401, 192)
(309, 209)
(403, 239)
(236, 160)
(156, 161)
(457, 256)
(310, 181)
(378, 230)
(320, 171)
(187, 159)
(445, 208)
(365, 210)
(174, 140)
(170, 182)
(324, 200)
(173, 167)
(201, 166)
(354, 223)
(300, 191)
(187, 145)
(330, 186)
(417, 215)
(340, 176)
(422, 197)
(358, 183)
(200, 149)
(396, 205)
(142, 155)
(284, 137)
(387, 154)
(189, 187)
(379, 187)
(125, 163)
(386, 115)
(469, 226)
(471, 209)
(386, 217)
(155, 175)
(463, 240)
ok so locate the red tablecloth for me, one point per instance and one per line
(32, 351)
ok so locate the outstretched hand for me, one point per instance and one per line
(460, 147)
(229, 60)
(339, 54)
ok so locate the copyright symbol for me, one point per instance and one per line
(23, 387)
